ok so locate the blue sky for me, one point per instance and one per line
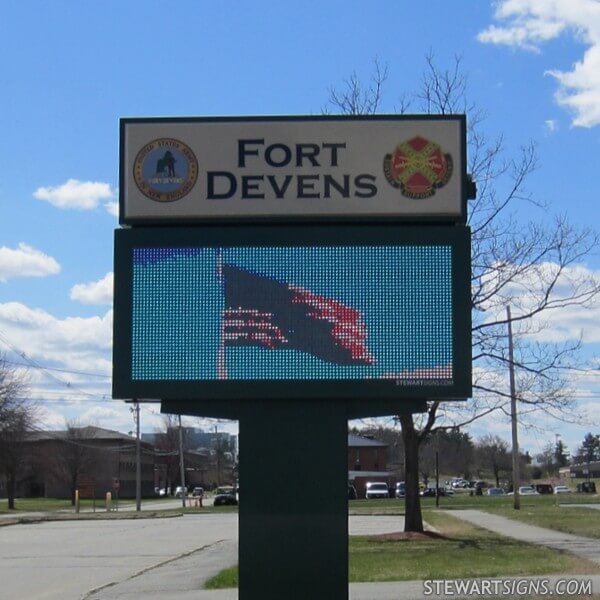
(72, 69)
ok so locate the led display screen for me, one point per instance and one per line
(292, 311)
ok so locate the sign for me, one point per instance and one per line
(283, 311)
(399, 167)
(87, 488)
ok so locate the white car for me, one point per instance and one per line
(528, 490)
(460, 483)
(562, 489)
(377, 489)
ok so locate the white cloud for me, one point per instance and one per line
(81, 344)
(112, 208)
(551, 125)
(25, 261)
(556, 325)
(111, 416)
(526, 24)
(81, 195)
(96, 292)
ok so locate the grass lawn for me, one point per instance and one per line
(579, 521)
(465, 551)
(50, 505)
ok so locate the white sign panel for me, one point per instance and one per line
(401, 167)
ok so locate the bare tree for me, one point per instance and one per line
(74, 454)
(17, 418)
(167, 446)
(455, 452)
(493, 453)
(528, 265)
(356, 98)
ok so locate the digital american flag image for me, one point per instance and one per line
(265, 312)
(292, 313)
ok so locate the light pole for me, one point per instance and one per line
(513, 415)
(138, 463)
(138, 460)
(181, 464)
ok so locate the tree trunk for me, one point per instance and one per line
(413, 519)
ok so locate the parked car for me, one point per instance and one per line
(543, 488)
(587, 487)
(400, 490)
(525, 490)
(352, 495)
(562, 489)
(429, 492)
(495, 491)
(225, 495)
(478, 484)
(377, 489)
(180, 491)
(198, 492)
(460, 483)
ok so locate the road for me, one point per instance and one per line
(66, 560)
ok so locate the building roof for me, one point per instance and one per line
(89, 432)
(352, 475)
(355, 441)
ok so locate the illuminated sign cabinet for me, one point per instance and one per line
(292, 258)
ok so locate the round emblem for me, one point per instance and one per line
(165, 170)
(418, 168)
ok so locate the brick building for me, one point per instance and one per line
(91, 458)
(367, 461)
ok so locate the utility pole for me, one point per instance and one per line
(135, 410)
(437, 475)
(218, 453)
(138, 460)
(513, 415)
(181, 463)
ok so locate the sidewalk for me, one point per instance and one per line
(183, 578)
(588, 548)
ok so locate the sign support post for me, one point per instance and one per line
(293, 527)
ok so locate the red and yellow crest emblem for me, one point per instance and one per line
(418, 168)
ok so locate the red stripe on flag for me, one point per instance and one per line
(348, 329)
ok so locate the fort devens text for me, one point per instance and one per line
(254, 154)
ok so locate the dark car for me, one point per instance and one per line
(429, 492)
(544, 488)
(587, 487)
(352, 495)
(225, 496)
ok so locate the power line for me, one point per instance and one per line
(46, 370)
(69, 371)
